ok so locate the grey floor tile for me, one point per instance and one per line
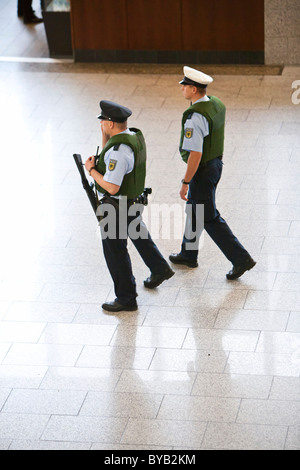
(232, 385)
(116, 357)
(4, 348)
(179, 316)
(77, 378)
(193, 360)
(84, 429)
(163, 432)
(21, 332)
(44, 402)
(161, 382)
(204, 363)
(274, 300)
(42, 312)
(263, 364)
(48, 445)
(217, 339)
(279, 342)
(232, 436)
(210, 298)
(43, 354)
(294, 322)
(60, 333)
(131, 405)
(287, 387)
(23, 376)
(293, 438)
(252, 319)
(149, 337)
(4, 393)
(16, 426)
(273, 412)
(196, 408)
(4, 444)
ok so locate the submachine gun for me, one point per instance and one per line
(88, 187)
(91, 190)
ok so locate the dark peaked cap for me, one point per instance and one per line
(113, 112)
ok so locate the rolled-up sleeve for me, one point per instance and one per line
(118, 164)
(195, 130)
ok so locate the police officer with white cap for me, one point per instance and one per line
(119, 173)
(201, 148)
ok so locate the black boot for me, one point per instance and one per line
(32, 19)
(177, 258)
(238, 271)
(116, 306)
(155, 280)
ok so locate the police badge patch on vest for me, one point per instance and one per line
(189, 133)
(112, 164)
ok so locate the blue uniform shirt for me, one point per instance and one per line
(118, 162)
(195, 129)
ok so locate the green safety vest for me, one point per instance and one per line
(213, 144)
(134, 182)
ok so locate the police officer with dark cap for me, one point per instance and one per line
(119, 173)
(201, 148)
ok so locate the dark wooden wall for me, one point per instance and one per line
(154, 24)
(98, 24)
(223, 25)
(172, 26)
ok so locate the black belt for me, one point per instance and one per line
(211, 161)
(107, 199)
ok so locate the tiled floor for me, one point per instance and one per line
(204, 363)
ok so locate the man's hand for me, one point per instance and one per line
(183, 192)
(90, 163)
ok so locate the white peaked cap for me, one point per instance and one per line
(195, 77)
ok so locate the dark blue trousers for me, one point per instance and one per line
(118, 259)
(202, 190)
(25, 8)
